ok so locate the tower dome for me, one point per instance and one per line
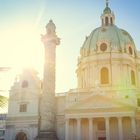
(107, 9)
(116, 39)
(107, 35)
(107, 56)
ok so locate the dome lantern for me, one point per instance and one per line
(107, 3)
(108, 37)
(108, 18)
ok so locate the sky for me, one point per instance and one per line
(23, 21)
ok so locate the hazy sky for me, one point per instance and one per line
(22, 22)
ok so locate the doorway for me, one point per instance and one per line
(102, 138)
(21, 136)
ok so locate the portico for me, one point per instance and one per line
(96, 128)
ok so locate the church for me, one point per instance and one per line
(105, 105)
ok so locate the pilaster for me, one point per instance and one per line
(120, 128)
(78, 129)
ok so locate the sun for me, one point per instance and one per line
(21, 48)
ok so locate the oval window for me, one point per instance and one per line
(103, 47)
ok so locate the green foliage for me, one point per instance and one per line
(3, 101)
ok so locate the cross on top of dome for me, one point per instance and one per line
(107, 3)
(108, 18)
(107, 9)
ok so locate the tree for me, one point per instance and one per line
(3, 101)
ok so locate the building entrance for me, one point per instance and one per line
(102, 138)
(21, 136)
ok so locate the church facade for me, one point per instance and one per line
(104, 106)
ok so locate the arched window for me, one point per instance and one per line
(130, 50)
(104, 76)
(138, 102)
(106, 21)
(133, 80)
(111, 20)
(24, 84)
(21, 136)
(102, 22)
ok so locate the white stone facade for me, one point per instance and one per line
(104, 106)
(23, 111)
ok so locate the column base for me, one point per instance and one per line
(43, 135)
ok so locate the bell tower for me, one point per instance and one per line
(47, 102)
(108, 17)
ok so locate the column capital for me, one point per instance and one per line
(67, 119)
(78, 119)
(119, 117)
(90, 118)
(132, 117)
(107, 118)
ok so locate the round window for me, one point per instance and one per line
(103, 47)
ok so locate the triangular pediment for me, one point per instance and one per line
(100, 102)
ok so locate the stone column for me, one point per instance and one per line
(107, 128)
(90, 128)
(133, 125)
(120, 128)
(78, 129)
(47, 109)
(67, 129)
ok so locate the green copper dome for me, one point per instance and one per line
(107, 10)
(117, 38)
(108, 37)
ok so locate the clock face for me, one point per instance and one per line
(103, 47)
